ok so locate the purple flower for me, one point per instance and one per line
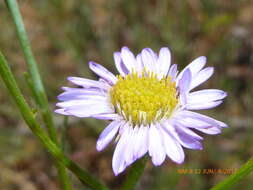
(149, 104)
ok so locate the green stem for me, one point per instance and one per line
(227, 183)
(37, 85)
(64, 134)
(30, 85)
(32, 67)
(134, 174)
(29, 118)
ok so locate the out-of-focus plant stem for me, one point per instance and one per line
(134, 174)
(29, 118)
(64, 134)
(37, 85)
(233, 179)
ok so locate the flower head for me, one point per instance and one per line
(149, 105)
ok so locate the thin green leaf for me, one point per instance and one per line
(235, 178)
(134, 174)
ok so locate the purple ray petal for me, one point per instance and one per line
(108, 134)
(88, 110)
(129, 150)
(164, 61)
(87, 83)
(196, 117)
(184, 85)
(86, 100)
(148, 60)
(139, 66)
(107, 116)
(190, 132)
(119, 64)
(173, 148)
(155, 148)
(195, 66)
(182, 136)
(202, 96)
(102, 72)
(61, 111)
(210, 130)
(203, 106)
(80, 93)
(173, 72)
(187, 141)
(201, 77)
(141, 142)
(118, 160)
(128, 59)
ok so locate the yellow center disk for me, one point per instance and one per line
(143, 98)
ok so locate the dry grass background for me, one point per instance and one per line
(65, 35)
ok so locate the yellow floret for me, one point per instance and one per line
(143, 98)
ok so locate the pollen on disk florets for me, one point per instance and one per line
(143, 98)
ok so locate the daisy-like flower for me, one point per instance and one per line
(149, 105)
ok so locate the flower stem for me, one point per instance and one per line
(37, 85)
(29, 118)
(228, 182)
(64, 134)
(134, 174)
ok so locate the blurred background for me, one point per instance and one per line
(65, 35)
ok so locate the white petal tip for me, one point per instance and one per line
(124, 48)
(179, 161)
(157, 163)
(164, 48)
(99, 148)
(64, 88)
(200, 147)
(117, 56)
(224, 125)
(117, 172)
(203, 59)
(61, 111)
(92, 63)
(71, 78)
(211, 70)
(225, 94)
(59, 104)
